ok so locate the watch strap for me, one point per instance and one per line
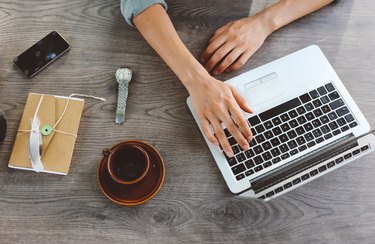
(121, 103)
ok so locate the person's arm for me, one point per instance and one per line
(234, 43)
(214, 101)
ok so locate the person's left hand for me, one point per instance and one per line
(234, 43)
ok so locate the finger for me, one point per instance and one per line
(219, 133)
(218, 32)
(228, 60)
(218, 55)
(241, 61)
(240, 120)
(205, 125)
(211, 48)
(236, 133)
(241, 101)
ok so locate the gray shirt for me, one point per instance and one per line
(131, 8)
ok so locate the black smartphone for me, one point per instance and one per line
(42, 54)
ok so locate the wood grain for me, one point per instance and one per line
(194, 204)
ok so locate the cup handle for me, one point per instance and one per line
(106, 152)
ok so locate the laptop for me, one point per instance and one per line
(305, 124)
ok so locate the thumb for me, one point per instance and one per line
(241, 101)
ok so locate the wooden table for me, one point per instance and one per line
(194, 205)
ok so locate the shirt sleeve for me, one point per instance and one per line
(131, 8)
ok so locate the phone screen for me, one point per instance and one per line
(41, 54)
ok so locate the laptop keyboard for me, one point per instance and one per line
(290, 128)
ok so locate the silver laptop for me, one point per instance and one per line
(305, 125)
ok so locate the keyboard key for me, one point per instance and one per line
(266, 156)
(262, 197)
(266, 146)
(300, 140)
(268, 134)
(319, 140)
(282, 108)
(324, 100)
(353, 124)
(287, 185)
(318, 112)
(346, 156)
(331, 164)
(301, 119)
(328, 136)
(300, 130)
(308, 127)
(277, 131)
(291, 134)
(309, 106)
(275, 142)
(275, 152)
(249, 153)
(254, 120)
(310, 116)
(317, 103)
(334, 95)
(249, 164)
(305, 177)
(326, 109)
(339, 160)
(241, 157)
(270, 194)
(292, 144)
(355, 152)
(235, 149)
(259, 129)
(276, 160)
(285, 127)
(284, 148)
(267, 164)
(258, 150)
(238, 169)
(293, 123)
(227, 133)
(293, 113)
(301, 110)
(309, 136)
(249, 172)
(333, 125)
(293, 152)
(284, 117)
(336, 132)
(345, 128)
(279, 189)
(231, 161)
(285, 156)
(336, 104)
(240, 177)
(253, 131)
(341, 121)
(332, 115)
(305, 98)
(283, 138)
(258, 160)
(258, 168)
(232, 141)
(317, 133)
(364, 148)
(324, 119)
(302, 148)
(342, 111)
(268, 124)
(322, 90)
(314, 94)
(314, 172)
(296, 181)
(311, 144)
(325, 129)
(322, 168)
(349, 118)
(276, 121)
(330, 87)
(260, 139)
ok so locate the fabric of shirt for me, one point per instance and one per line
(131, 8)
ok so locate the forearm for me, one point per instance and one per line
(286, 11)
(156, 27)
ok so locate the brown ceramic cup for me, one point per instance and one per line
(128, 164)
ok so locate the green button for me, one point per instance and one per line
(46, 130)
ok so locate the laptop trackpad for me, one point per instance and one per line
(268, 88)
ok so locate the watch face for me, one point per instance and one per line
(123, 75)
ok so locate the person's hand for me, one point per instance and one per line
(234, 43)
(217, 103)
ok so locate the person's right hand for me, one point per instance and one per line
(217, 103)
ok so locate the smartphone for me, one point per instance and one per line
(42, 54)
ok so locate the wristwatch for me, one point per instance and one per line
(123, 77)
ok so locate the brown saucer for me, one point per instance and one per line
(140, 192)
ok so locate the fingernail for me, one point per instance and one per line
(215, 72)
(229, 153)
(246, 147)
(249, 138)
(216, 143)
